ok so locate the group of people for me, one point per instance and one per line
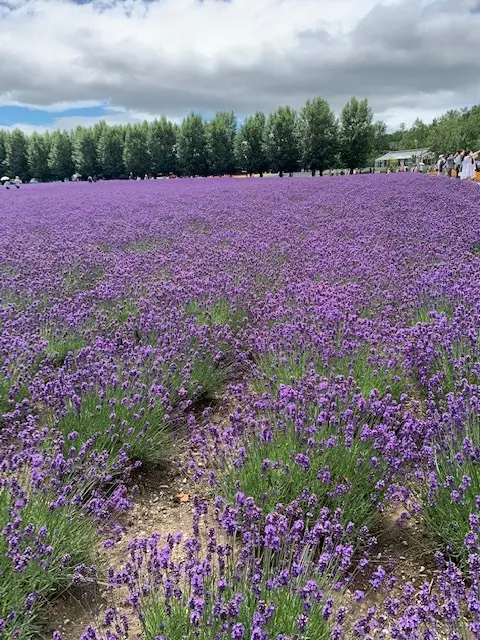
(464, 163)
(7, 183)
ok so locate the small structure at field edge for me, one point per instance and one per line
(403, 157)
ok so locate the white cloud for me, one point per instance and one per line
(112, 116)
(409, 57)
(6, 99)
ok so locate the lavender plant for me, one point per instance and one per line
(45, 548)
(346, 320)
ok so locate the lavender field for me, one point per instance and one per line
(303, 354)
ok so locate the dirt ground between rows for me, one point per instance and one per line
(402, 547)
(156, 510)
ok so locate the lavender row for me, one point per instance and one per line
(345, 318)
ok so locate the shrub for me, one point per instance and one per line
(81, 278)
(60, 344)
(338, 473)
(369, 370)
(206, 378)
(12, 391)
(117, 419)
(218, 592)
(4, 395)
(283, 613)
(219, 311)
(451, 493)
(41, 547)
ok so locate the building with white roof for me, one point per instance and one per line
(404, 157)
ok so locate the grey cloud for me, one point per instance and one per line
(399, 55)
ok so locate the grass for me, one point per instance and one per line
(71, 538)
(40, 302)
(274, 370)
(118, 312)
(60, 345)
(145, 245)
(368, 372)
(6, 396)
(8, 297)
(219, 312)
(448, 506)
(451, 365)
(78, 279)
(206, 379)
(437, 306)
(105, 247)
(277, 468)
(207, 376)
(277, 471)
(175, 623)
(165, 615)
(371, 372)
(124, 312)
(198, 225)
(138, 424)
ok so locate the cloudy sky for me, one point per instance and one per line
(64, 63)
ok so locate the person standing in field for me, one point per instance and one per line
(462, 156)
(468, 167)
(450, 164)
(440, 165)
(457, 161)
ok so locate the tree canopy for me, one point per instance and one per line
(285, 140)
(251, 149)
(318, 130)
(282, 140)
(192, 146)
(60, 159)
(220, 132)
(16, 148)
(135, 150)
(85, 152)
(38, 153)
(162, 138)
(356, 133)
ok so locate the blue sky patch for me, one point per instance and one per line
(23, 115)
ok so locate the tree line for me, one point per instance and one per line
(312, 138)
(454, 131)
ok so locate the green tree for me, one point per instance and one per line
(162, 137)
(416, 137)
(38, 156)
(380, 141)
(448, 133)
(356, 133)
(394, 138)
(192, 146)
(17, 159)
(85, 151)
(282, 140)
(135, 151)
(98, 129)
(110, 152)
(3, 153)
(250, 144)
(392, 165)
(61, 155)
(318, 132)
(220, 133)
(471, 118)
